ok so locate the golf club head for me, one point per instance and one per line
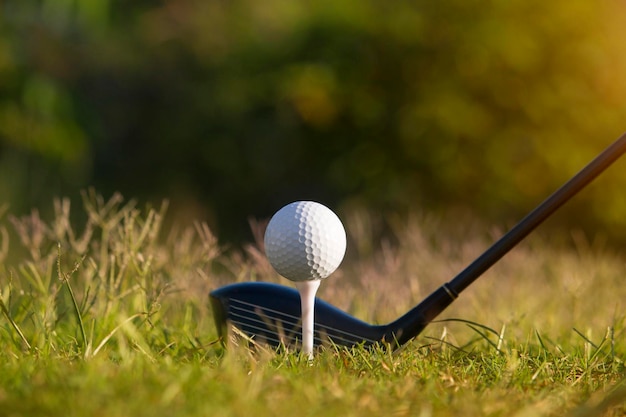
(271, 314)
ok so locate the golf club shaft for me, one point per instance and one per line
(537, 216)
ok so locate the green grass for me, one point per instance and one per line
(110, 318)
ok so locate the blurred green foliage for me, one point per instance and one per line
(233, 108)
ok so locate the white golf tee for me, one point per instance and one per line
(307, 290)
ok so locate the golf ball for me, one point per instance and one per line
(305, 241)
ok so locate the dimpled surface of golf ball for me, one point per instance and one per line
(305, 241)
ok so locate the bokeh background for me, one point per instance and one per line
(231, 109)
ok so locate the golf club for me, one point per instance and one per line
(270, 313)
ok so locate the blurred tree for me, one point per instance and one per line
(239, 107)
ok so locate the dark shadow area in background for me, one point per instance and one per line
(230, 112)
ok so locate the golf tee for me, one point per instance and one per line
(307, 290)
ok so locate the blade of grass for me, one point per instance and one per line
(66, 279)
(484, 336)
(7, 314)
(469, 322)
(112, 333)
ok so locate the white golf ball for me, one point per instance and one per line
(305, 241)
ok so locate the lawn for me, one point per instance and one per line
(110, 318)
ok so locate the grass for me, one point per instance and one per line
(110, 318)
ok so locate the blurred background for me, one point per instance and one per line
(231, 109)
